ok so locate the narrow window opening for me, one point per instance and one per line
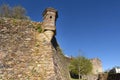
(50, 17)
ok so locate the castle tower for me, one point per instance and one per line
(97, 66)
(49, 19)
(49, 22)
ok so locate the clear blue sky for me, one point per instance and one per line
(89, 26)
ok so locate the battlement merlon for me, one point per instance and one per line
(50, 16)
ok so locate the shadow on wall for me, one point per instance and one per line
(113, 76)
(109, 76)
(54, 43)
(103, 76)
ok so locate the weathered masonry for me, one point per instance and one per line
(26, 54)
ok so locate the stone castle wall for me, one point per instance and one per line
(97, 66)
(107, 76)
(25, 54)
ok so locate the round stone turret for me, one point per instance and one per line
(49, 23)
(49, 19)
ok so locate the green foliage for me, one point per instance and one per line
(17, 12)
(38, 28)
(37, 44)
(80, 65)
(5, 11)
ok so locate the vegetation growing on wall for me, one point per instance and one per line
(38, 28)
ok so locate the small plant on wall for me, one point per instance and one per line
(38, 28)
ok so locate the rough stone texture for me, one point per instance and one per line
(61, 66)
(49, 35)
(113, 76)
(97, 66)
(92, 77)
(25, 53)
(103, 76)
(106, 76)
(49, 19)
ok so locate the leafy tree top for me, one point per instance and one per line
(80, 65)
(17, 12)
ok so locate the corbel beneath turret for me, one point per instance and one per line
(49, 23)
